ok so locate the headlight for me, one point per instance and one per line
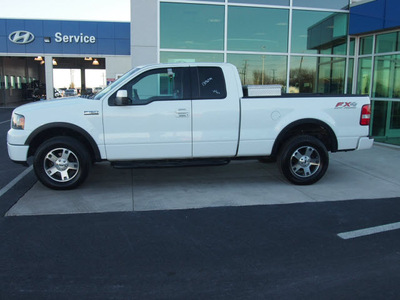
(18, 121)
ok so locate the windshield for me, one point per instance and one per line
(108, 88)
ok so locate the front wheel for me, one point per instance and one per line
(303, 160)
(62, 163)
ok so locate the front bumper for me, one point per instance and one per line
(18, 153)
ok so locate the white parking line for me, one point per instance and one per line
(15, 181)
(7, 121)
(368, 231)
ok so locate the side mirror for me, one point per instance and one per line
(122, 98)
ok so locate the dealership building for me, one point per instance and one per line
(306, 46)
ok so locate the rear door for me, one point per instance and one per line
(215, 114)
(155, 120)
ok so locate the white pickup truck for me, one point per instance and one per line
(186, 113)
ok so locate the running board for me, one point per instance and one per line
(168, 163)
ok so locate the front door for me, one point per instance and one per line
(155, 122)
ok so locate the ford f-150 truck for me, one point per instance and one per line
(186, 113)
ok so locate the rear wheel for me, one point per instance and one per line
(62, 163)
(303, 160)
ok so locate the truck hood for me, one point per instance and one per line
(70, 110)
(54, 103)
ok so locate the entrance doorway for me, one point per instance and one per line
(78, 76)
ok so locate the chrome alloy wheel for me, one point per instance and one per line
(61, 164)
(305, 161)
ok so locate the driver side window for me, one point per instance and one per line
(158, 85)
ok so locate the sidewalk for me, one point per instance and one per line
(367, 174)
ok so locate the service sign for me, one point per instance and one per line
(38, 37)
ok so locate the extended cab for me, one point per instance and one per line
(191, 113)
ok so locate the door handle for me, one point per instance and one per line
(182, 113)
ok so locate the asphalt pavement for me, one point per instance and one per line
(366, 174)
(238, 231)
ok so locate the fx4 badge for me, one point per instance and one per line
(346, 105)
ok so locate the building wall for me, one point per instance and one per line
(300, 44)
(22, 40)
(144, 32)
(376, 15)
(374, 25)
(117, 65)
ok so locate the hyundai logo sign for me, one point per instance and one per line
(21, 37)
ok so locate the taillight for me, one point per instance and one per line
(365, 115)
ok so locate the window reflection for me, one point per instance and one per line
(350, 76)
(303, 71)
(211, 0)
(364, 76)
(366, 45)
(179, 57)
(315, 31)
(379, 109)
(387, 77)
(258, 29)
(260, 69)
(331, 75)
(192, 26)
(266, 2)
(352, 47)
(336, 4)
(388, 42)
(317, 75)
(395, 116)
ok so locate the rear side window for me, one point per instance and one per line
(209, 83)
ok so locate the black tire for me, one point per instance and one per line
(62, 163)
(303, 160)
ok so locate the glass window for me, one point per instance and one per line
(388, 42)
(303, 73)
(340, 49)
(210, 83)
(192, 26)
(350, 76)
(336, 4)
(379, 109)
(177, 57)
(6, 82)
(260, 69)
(317, 75)
(266, 2)
(331, 75)
(366, 45)
(314, 31)
(258, 29)
(364, 76)
(157, 85)
(352, 47)
(387, 77)
(395, 116)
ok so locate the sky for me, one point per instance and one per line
(82, 10)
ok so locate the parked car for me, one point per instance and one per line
(57, 93)
(97, 90)
(70, 92)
